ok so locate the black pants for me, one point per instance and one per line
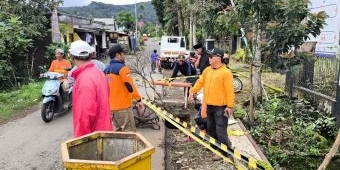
(217, 124)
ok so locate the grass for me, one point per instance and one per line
(25, 96)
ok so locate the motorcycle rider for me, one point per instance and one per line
(60, 65)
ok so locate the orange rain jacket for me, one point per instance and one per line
(122, 88)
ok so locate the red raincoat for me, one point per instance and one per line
(91, 109)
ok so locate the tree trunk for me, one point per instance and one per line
(55, 23)
(191, 31)
(15, 84)
(194, 39)
(180, 18)
(257, 88)
(251, 97)
(331, 153)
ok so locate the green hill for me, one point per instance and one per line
(102, 10)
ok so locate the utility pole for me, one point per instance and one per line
(136, 33)
(55, 23)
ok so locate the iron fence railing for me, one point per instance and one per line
(320, 75)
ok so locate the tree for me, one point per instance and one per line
(159, 7)
(21, 23)
(126, 20)
(13, 43)
(273, 35)
(141, 13)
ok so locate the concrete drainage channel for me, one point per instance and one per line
(182, 152)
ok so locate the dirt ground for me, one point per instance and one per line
(183, 154)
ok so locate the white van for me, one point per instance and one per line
(170, 48)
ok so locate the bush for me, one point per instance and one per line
(141, 41)
(291, 130)
(240, 55)
(25, 96)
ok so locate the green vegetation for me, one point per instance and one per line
(24, 97)
(293, 130)
(21, 24)
(102, 10)
(126, 20)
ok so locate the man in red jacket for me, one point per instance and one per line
(90, 96)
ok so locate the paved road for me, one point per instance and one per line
(29, 143)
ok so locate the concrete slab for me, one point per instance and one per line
(243, 144)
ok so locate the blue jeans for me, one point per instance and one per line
(217, 124)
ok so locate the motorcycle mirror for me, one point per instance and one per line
(42, 68)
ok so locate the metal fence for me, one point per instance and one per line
(320, 75)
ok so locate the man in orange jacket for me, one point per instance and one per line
(219, 97)
(122, 91)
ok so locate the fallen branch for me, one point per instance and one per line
(331, 153)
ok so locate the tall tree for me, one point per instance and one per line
(273, 35)
(21, 22)
(160, 10)
(126, 20)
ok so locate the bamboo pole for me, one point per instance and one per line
(331, 153)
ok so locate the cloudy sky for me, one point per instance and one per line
(68, 3)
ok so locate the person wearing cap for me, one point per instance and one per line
(122, 91)
(100, 65)
(61, 65)
(183, 66)
(219, 97)
(90, 95)
(202, 61)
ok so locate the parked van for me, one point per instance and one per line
(170, 48)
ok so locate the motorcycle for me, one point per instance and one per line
(55, 100)
(238, 85)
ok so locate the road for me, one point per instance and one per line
(29, 143)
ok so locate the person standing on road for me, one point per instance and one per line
(154, 59)
(122, 91)
(90, 95)
(219, 96)
(202, 61)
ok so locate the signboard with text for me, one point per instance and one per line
(328, 40)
